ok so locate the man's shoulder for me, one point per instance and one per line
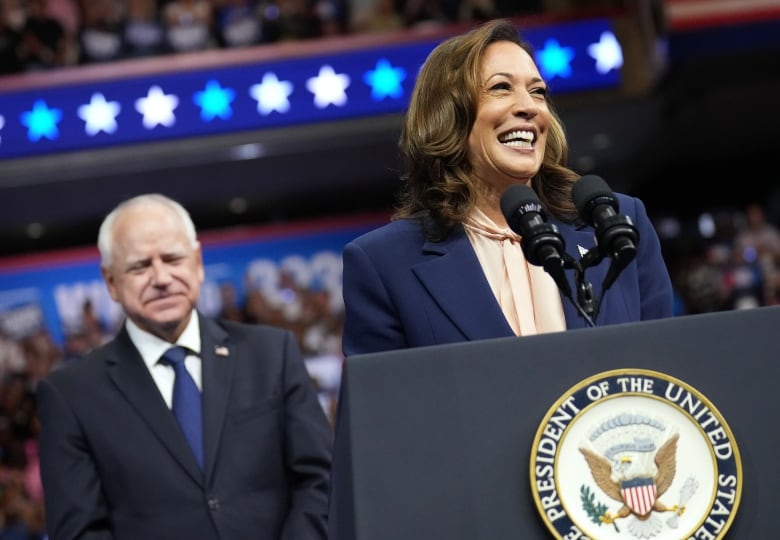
(82, 367)
(249, 336)
(238, 329)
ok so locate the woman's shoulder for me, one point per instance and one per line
(399, 230)
(630, 204)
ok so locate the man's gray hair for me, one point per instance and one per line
(105, 241)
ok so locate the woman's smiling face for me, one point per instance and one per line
(507, 140)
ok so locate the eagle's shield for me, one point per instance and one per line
(639, 494)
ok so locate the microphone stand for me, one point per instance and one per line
(592, 257)
(584, 288)
(584, 303)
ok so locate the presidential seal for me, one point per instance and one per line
(632, 454)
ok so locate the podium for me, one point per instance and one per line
(435, 442)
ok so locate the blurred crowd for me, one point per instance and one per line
(729, 259)
(40, 35)
(44, 34)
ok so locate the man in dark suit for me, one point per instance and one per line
(115, 463)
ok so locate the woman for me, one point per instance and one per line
(448, 268)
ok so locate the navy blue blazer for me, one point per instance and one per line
(115, 464)
(401, 290)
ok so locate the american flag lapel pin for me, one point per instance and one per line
(221, 350)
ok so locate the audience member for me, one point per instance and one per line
(476, 10)
(21, 518)
(230, 309)
(42, 355)
(744, 280)
(10, 39)
(68, 14)
(188, 25)
(11, 356)
(334, 16)
(44, 41)
(759, 240)
(239, 23)
(424, 14)
(101, 36)
(377, 16)
(144, 34)
(295, 20)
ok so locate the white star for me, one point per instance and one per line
(328, 87)
(2, 123)
(99, 115)
(271, 94)
(157, 108)
(606, 52)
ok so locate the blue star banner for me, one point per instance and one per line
(576, 56)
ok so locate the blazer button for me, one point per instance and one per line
(213, 504)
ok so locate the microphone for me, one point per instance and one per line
(541, 242)
(616, 235)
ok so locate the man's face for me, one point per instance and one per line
(156, 273)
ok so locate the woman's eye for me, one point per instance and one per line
(501, 86)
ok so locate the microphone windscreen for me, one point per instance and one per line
(519, 197)
(589, 191)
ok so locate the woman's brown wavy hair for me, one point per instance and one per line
(434, 139)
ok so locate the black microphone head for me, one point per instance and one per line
(590, 191)
(517, 201)
(541, 242)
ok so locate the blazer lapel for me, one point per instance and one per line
(578, 241)
(455, 281)
(218, 364)
(132, 378)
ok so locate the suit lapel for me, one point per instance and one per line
(218, 364)
(128, 372)
(456, 282)
(577, 242)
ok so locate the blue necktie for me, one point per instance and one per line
(186, 401)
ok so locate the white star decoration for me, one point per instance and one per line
(607, 53)
(157, 108)
(169, 103)
(329, 87)
(271, 94)
(99, 115)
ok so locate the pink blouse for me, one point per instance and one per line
(527, 294)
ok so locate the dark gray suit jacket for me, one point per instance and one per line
(115, 464)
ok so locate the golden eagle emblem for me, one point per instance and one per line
(635, 469)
